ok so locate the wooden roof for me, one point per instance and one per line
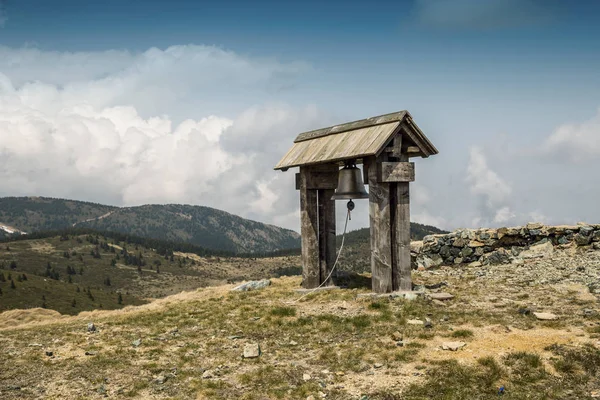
(355, 140)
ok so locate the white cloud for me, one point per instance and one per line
(577, 143)
(125, 129)
(492, 192)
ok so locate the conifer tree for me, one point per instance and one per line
(12, 284)
(120, 299)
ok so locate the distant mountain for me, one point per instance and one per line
(198, 225)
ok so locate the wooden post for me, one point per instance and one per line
(316, 185)
(326, 234)
(379, 218)
(402, 233)
(309, 231)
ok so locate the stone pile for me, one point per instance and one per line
(500, 246)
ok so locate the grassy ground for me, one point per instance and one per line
(329, 343)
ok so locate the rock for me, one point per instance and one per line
(545, 316)
(252, 350)
(91, 353)
(306, 377)
(438, 303)
(475, 243)
(91, 327)
(524, 311)
(540, 250)
(597, 246)
(252, 285)
(534, 225)
(497, 257)
(400, 343)
(161, 379)
(596, 236)
(582, 240)
(453, 346)
(136, 343)
(414, 322)
(208, 374)
(441, 296)
(397, 336)
(586, 230)
(50, 353)
(428, 324)
(475, 264)
(311, 397)
(378, 365)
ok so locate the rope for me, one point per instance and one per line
(334, 265)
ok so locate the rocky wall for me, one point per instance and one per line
(500, 246)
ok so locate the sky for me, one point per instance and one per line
(194, 102)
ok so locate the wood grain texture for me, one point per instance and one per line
(350, 126)
(381, 246)
(327, 239)
(309, 232)
(402, 267)
(354, 144)
(397, 172)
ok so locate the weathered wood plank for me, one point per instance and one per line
(320, 180)
(382, 119)
(401, 227)
(353, 144)
(309, 232)
(397, 172)
(327, 237)
(379, 217)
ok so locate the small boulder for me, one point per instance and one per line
(414, 322)
(582, 240)
(441, 296)
(545, 316)
(252, 285)
(540, 250)
(453, 346)
(208, 374)
(252, 350)
(91, 327)
(136, 343)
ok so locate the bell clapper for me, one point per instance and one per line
(350, 206)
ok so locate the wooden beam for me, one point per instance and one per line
(397, 172)
(320, 179)
(402, 271)
(326, 235)
(379, 217)
(309, 233)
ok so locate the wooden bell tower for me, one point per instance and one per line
(384, 145)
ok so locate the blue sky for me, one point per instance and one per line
(492, 83)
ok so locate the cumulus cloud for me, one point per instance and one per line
(577, 143)
(127, 129)
(488, 14)
(492, 192)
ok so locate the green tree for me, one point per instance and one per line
(107, 281)
(2, 277)
(73, 303)
(13, 264)
(120, 299)
(12, 284)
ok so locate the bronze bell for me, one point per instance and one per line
(350, 183)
